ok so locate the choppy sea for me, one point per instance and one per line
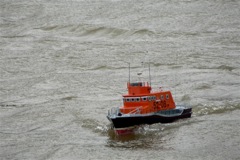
(64, 64)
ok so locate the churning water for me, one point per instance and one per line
(64, 63)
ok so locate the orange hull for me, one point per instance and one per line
(124, 131)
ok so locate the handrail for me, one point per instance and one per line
(135, 111)
(113, 110)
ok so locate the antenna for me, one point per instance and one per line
(149, 73)
(128, 71)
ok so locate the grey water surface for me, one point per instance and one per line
(64, 63)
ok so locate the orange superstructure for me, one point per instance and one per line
(141, 100)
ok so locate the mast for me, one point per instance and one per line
(129, 72)
(149, 73)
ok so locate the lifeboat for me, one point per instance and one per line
(143, 106)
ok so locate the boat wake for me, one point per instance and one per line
(200, 110)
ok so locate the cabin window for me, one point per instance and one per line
(128, 100)
(150, 98)
(144, 98)
(138, 99)
(136, 84)
(133, 99)
(162, 97)
(167, 96)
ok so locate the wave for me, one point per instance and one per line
(49, 28)
(203, 87)
(116, 32)
(97, 31)
(53, 27)
(101, 67)
(68, 98)
(225, 67)
(109, 67)
(8, 105)
(103, 31)
(221, 67)
(143, 32)
(199, 110)
(96, 127)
